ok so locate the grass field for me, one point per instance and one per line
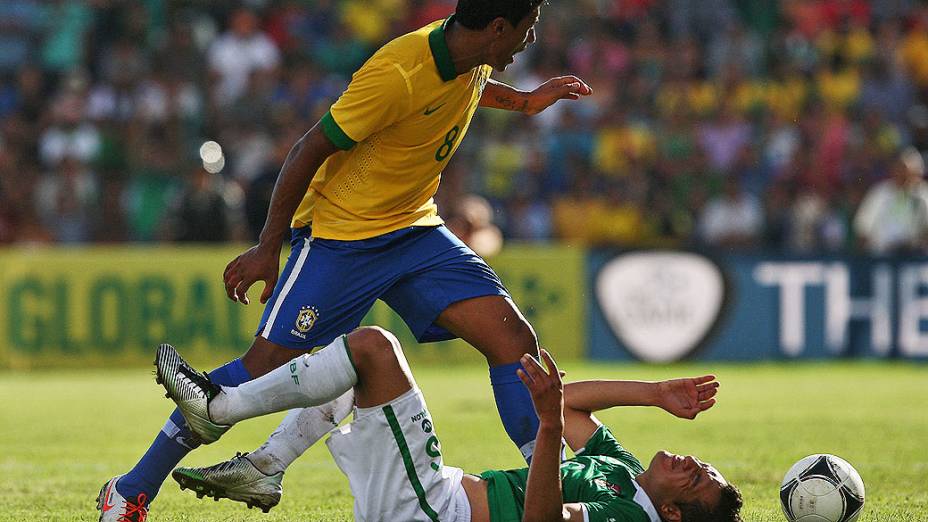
(63, 433)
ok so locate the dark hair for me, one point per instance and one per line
(726, 510)
(477, 14)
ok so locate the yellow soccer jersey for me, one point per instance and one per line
(399, 122)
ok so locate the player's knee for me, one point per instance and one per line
(523, 338)
(510, 343)
(372, 343)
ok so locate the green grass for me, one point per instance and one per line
(63, 433)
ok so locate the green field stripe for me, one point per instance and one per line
(407, 461)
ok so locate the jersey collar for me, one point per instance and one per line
(641, 498)
(440, 51)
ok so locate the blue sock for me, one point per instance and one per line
(173, 442)
(515, 406)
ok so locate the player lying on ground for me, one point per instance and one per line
(355, 196)
(392, 458)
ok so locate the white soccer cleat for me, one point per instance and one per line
(236, 479)
(191, 391)
(114, 508)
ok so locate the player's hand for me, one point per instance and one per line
(687, 398)
(258, 263)
(546, 387)
(560, 88)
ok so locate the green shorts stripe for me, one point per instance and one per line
(407, 461)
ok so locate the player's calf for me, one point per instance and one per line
(264, 356)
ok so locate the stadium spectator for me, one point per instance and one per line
(618, 217)
(529, 218)
(242, 50)
(71, 135)
(258, 191)
(67, 199)
(202, 212)
(8, 214)
(893, 217)
(914, 47)
(733, 219)
(471, 219)
(155, 160)
(66, 23)
(21, 24)
(815, 225)
(886, 90)
(724, 137)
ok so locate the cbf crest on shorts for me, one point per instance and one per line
(305, 320)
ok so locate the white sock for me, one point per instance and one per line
(299, 430)
(308, 380)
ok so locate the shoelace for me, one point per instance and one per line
(135, 509)
(223, 466)
(200, 380)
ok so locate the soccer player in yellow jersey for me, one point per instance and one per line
(355, 194)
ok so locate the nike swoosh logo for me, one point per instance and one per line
(183, 442)
(430, 111)
(106, 499)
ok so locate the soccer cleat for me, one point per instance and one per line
(114, 508)
(236, 479)
(191, 391)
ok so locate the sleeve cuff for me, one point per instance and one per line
(596, 433)
(335, 133)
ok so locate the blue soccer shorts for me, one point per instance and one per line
(328, 286)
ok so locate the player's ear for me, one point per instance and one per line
(670, 512)
(498, 26)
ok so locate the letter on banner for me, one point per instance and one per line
(913, 309)
(841, 308)
(792, 278)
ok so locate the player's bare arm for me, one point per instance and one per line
(684, 398)
(498, 95)
(543, 490)
(262, 261)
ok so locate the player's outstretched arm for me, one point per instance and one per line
(498, 95)
(684, 398)
(262, 261)
(543, 495)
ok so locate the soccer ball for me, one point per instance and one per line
(822, 488)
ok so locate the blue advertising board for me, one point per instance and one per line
(664, 306)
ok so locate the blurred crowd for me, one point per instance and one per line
(790, 126)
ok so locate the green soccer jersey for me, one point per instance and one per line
(599, 477)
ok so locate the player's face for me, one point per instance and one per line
(514, 40)
(685, 480)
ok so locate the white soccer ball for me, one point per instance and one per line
(822, 488)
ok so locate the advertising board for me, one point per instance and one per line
(668, 306)
(109, 306)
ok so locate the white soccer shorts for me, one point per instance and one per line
(392, 458)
